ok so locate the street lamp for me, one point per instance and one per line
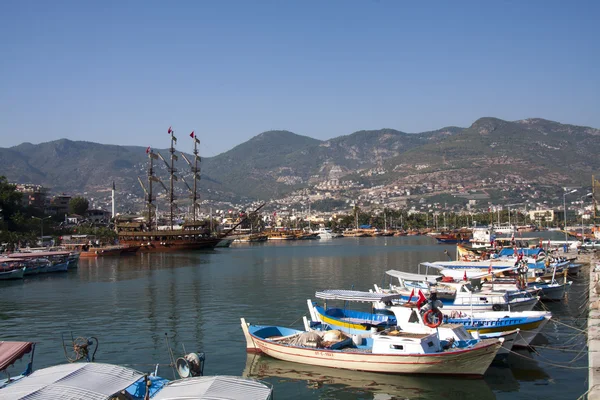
(42, 223)
(565, 207)
(582, 208)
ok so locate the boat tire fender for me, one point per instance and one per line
(497, 307)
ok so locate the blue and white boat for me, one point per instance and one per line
(458, 296)
(406, 318)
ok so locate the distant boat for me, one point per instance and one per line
(10, 273)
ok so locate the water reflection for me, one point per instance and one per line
(367, 385)
(129, 303)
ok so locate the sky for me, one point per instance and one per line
(123, 71)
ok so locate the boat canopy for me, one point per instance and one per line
(215, 387)
(38, 254)
(355, 295)
(509, 252)
(407, 276)
(13, 351)
(85, 381)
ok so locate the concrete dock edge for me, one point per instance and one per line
(594, 330)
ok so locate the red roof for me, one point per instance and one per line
(12, 351)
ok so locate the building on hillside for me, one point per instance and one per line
(59, 205)
(33, 195)
(541, 215)
(98, 216)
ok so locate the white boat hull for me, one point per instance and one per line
(473, 361)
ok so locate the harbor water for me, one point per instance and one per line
(131, 303)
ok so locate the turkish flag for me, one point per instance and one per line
(465, 276)
(422, 299)
(192, 135)
(170, 130)
(412, 293)
(148, 150)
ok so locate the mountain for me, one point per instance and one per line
(533, 149)
(274, 163)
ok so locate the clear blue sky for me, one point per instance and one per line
(121, 72)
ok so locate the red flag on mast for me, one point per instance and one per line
(465, 276)
(422, 299)
(192, 135)
(170, 130)
(412, 293)
(148, 150)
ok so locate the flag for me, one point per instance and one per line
(489, 268)
(465, 276)
(192, 135)
(174, 138)
(148, 150)
(412, 293)
(422, 299)
(170, 131)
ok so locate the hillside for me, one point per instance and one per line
(274, 163)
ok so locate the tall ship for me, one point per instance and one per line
(145, 232)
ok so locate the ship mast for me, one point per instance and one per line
(172, 175)
(151, 178)
(196, 172)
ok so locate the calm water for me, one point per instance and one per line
(130, 303)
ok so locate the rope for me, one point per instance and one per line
(549, 363)
(569, 326)
(584, 396)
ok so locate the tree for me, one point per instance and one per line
(10, 202)
(78, 205)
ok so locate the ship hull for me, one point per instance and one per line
(172, 246)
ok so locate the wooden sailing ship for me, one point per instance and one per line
(191, 235)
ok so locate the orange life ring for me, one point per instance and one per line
(436, 313)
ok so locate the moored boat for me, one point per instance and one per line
(389, 351)
(84, 381)
(11, 273)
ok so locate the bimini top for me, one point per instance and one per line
(39, 254)
(13, 351)
(85, 381)
(355, 295)
(215, 388)
(407, 276)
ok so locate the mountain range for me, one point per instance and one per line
(274, 163)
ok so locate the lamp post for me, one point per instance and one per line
(582, 209)
(42, 228)
(565, 208)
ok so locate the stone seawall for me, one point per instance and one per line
(593, 325)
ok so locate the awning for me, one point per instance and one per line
(354, 295)
(215, 388)
(413, 277)
(83, 381)
(13, 351)
(38, 254)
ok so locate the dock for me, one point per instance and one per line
(593, 326)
